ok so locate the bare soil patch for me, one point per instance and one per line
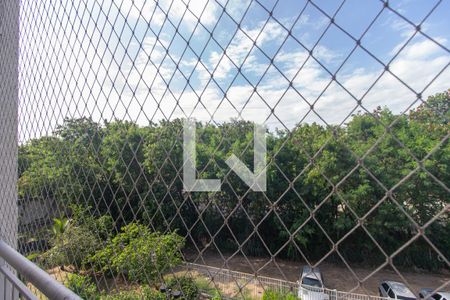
(336, 276)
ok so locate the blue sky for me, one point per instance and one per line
(130, 60)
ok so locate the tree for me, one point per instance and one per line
(396, 164)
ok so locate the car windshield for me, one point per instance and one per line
(311, 282)
(405, 298)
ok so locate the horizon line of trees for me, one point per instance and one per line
(361, 186)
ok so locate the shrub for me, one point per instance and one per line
(82, 286)
(74, 244)
(72, 248)
(147, 293)
(139, 254)
(216, 295)
(34, 256)
(83, 217)
(186, 285)
(124, 295)
(151, 294)
(276, 295)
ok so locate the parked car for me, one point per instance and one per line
(311, 285)
(427, 292)
(395, 290)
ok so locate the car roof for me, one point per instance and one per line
(426, 291)
(400, 289)
(311, 272)
(444, 294)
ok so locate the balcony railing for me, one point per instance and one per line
(13, 288)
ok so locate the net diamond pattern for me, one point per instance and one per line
(354, 99)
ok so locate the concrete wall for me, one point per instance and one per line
(37, 211)
(9, 54)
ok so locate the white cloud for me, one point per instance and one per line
(187, 13)
(416, 65)
(240, 49)
(87, 77)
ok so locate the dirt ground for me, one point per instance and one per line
(335, 276)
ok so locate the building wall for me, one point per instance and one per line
(37, 211)
(9, 44)
(9, 54)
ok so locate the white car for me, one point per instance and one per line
(311, 285)
(395, 290)
(426, 293)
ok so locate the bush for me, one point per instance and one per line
(151, 294)
(75, 242)
(82, 286)
(139, 254)
(124, 295)
(216, 295)
(186, 285)
(34, 256)
(72, 248)
(147, 293)
(275, 295)
(83, 217)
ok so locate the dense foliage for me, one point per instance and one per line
(139, 253)
(82, 286)
(75, 240)
(275, 295)
(368, 183)
(146, 293)
(187, 286)
(86, 243)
